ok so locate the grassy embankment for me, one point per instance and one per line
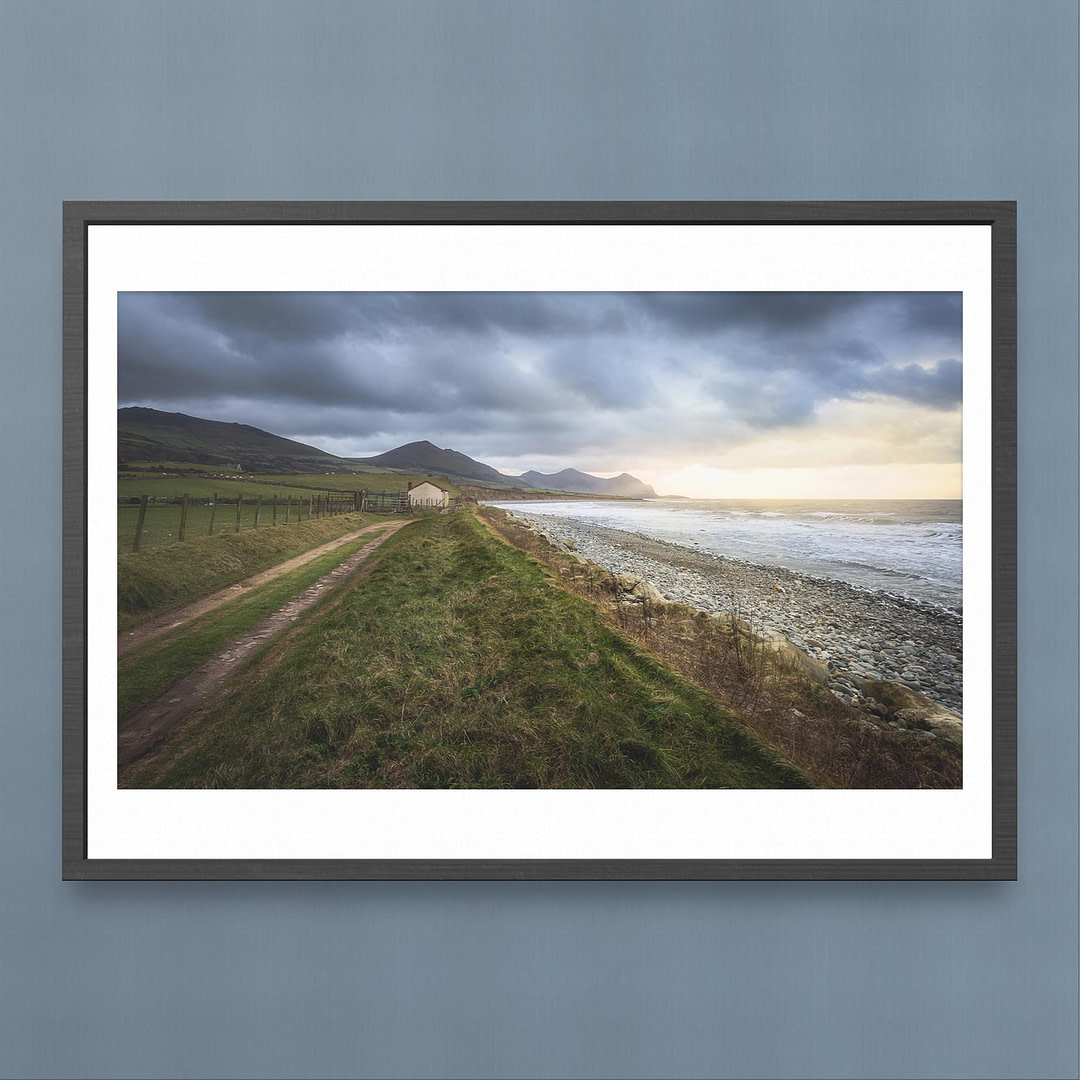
(154, 581)
(837, 745)
(461, 662)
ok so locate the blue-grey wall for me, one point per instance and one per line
(594, 100)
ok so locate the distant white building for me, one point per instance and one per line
(428, 494)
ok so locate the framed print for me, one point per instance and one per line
(539, 540)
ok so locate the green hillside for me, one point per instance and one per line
(149, 435)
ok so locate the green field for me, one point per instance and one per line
(197, 487)
(162, 523)
(461, 662)
(157, 467)
(151, 582)
(282, 485)
(374, 481)
(292, 492)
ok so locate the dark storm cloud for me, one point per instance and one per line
(938, 387)
(774, 313)
(511, 374)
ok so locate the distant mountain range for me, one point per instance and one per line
(427, 457)
(587, 484)
(155, 436)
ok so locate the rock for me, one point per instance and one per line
(796, 659)
(935, 720)
(732, 621)
(647, 592)
(910, 709)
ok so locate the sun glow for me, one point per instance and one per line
(930, 481)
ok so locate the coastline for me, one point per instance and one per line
(862, 635)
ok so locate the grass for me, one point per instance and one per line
(374, 481)
(461, 662)
(837, 745)
(149, 672)
(161, 525)
(158, 580)
(198, 487)
(177, 466)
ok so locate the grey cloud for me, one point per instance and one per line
(770, 313)
(939, 387)
(503, 374)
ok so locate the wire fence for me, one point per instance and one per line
(153, 520)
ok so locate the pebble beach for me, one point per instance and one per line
(860, 634)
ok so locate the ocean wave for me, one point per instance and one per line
(914, 553)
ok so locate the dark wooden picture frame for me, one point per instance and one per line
(1000, 216)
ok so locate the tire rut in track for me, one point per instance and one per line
(153, 628)
(141, 730)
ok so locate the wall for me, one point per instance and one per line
(597, 100)
(427, 495)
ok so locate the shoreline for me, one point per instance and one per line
(861, 634)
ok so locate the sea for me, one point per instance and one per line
(908, 547)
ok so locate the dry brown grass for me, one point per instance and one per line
(835, 744)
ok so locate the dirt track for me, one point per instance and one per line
(143, 728)
(153, 628)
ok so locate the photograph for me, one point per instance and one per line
(539, 539)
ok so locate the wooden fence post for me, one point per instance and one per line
(139, 524)
(239, 506)
(183, 517)
(213, 512)
(258, 507)
(273, 519)
(288, 507)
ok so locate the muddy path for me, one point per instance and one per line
(142, 729)
(152, 628)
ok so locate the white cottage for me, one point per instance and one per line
(428, 494)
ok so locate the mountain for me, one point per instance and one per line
(426, 457)
(586, 484)
(153, 435)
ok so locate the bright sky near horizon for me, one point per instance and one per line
(725, 395)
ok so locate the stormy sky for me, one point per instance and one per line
(737, 394)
